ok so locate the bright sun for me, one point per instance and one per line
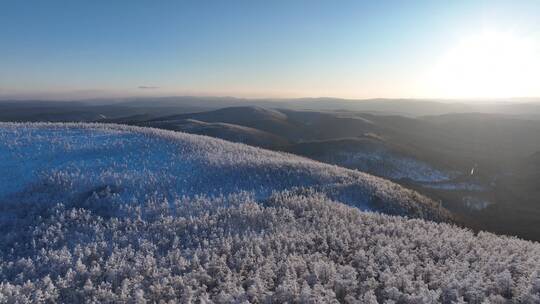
(490, 64)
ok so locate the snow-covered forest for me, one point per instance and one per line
(103, 213)
(120, 164)
(293, 247)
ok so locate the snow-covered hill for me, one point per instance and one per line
(114, 214)
(119, 164)
(226, 131)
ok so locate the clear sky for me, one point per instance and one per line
(351, 49)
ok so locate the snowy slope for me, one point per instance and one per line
(51, 163)
(67, 238)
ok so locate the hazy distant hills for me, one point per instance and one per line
(529, 107)
(90, 110)
(227, 131)
(524, 108)
(487, 133)
(463, 139)
(467, 160)
(263, 119)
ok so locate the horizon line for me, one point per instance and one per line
(201, 96)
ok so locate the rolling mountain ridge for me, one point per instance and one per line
(465, 160)
(77, 160)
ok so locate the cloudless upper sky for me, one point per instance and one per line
(352, 49)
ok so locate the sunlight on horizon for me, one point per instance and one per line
(490, 64)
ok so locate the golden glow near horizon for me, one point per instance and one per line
(482, 65)
(488, 64)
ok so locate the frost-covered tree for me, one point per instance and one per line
(295, 244)
(259, 252)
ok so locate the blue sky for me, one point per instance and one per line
(352, 49)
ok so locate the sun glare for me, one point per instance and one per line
(490, 64)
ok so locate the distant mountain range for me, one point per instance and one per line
(521, 107)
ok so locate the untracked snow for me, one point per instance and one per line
(43, 163)
(113, 214)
